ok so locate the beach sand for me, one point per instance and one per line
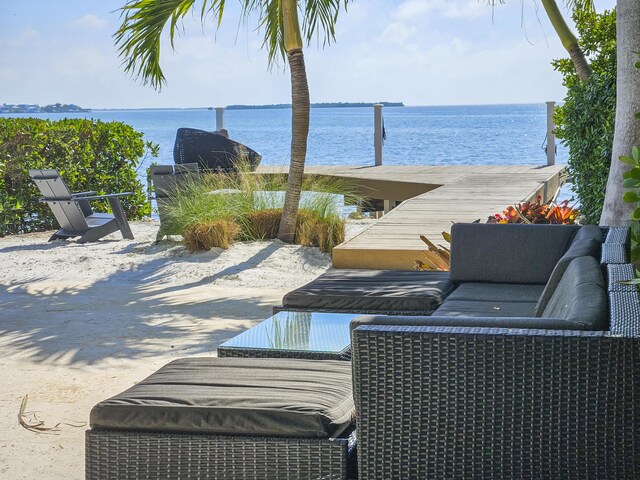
(80, 323)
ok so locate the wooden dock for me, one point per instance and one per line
(431, 198)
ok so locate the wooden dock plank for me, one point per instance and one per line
(433, 197)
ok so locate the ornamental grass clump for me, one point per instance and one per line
(314, 230)
(248, 206)
(261, 224)
(204, 236)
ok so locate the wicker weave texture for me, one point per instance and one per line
(211, 151)
(624, 309)
(120, 455)
(613, 253)
(618, 235)
(271, 353)
(617, 273)
(492, 404)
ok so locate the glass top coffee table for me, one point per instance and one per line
(295, 335)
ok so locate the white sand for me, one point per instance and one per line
(79, 323)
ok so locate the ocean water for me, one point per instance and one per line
(448, 135)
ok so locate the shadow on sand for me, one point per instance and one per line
(118, 317)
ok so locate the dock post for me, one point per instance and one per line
(377, 132)
(219, 118)
(551, 137)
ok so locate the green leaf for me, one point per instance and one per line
(631, 197)
(636, 214)
(628, 160)
(635, 153)
(635, 281)
(630, 183)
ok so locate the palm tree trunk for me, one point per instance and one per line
(627, 128)
(568, 39)
(301, 108)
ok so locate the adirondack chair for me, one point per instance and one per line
(73, 210)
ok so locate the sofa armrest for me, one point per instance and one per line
(478, 322)
(451, 402)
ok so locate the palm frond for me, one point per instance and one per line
(582, 5)
(320, 17)
(139, 36)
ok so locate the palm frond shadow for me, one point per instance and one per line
(70, 325)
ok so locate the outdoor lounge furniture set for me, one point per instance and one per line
(521, 362)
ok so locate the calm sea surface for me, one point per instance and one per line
(460, 135)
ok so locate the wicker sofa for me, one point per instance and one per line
(504, 387)
(528, 369)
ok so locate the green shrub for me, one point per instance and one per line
(88, 154)
(585, 122)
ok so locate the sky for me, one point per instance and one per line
(420, 52)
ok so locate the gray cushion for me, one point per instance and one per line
(483, 322)
(580, 295)
(494, 292)
(579, 248)
(470, 308)
(372, 291)
(588, 232)
(512, 253)
(237, 396)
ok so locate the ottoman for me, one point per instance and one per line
(227, 418)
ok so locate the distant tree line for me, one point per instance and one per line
(35, 108)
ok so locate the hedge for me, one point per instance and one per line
(88, 154)
(585, 122)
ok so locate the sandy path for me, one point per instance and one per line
(79, 323)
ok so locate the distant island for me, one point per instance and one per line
(315, 105)
(34, 108)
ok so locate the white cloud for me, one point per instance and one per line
(466, 9)
(25, 38)
(397, 33)
(410, 9)
(414, 10)
(91, 21)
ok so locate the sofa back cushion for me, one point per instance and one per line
(580, 296)
(585, 243)
(512, 253)
(588, 232)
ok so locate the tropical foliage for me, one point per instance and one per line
(436, 257)
(88, 154)
(585, 121)
(632, 195)
(537, 212)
